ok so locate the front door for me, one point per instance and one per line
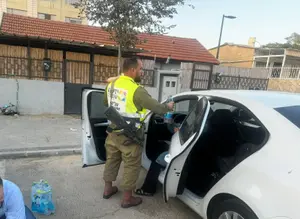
(169, 86)
(181, 145)
(94, 124)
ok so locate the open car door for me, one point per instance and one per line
(181, 145)
(94, 124)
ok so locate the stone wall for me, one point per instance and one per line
(289, 85)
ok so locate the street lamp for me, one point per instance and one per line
(224, 16)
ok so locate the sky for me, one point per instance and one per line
(267, 20)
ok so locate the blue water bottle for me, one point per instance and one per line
(168, 117)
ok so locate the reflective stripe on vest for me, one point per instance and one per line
(124, 89)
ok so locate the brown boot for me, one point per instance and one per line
(129, 200)
(109, 190)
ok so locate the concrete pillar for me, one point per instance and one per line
(32, 8)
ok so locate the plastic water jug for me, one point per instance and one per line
(41, 198)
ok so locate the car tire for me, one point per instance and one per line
(232, 205)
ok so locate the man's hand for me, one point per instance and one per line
(170, 105)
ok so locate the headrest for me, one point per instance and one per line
(222, 117)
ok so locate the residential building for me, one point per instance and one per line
(236, 55)
(281, 62)
(84, 56)
(58, 10)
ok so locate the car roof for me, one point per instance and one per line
(273, 99)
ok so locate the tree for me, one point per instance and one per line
(126, 19)
(294, 39)
(292, 42)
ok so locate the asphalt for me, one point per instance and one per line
(35, 136)
(77, 192)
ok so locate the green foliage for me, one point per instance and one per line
(292, 42)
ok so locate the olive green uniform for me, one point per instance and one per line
(116, 151)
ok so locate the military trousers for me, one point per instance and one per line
(116, 152)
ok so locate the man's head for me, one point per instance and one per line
(132, 67)
(1, 191)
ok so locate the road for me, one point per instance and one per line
(78, 192)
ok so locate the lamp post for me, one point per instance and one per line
(223, 18)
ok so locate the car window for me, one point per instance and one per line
(292, 113)
(191, 124)
(184, 106)
(215, 106)
(96, 107)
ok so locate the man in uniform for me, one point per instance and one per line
(132, 101)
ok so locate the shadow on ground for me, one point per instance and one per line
(78, 192)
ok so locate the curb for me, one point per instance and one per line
(39, 153)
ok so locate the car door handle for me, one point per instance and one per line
(101, 124)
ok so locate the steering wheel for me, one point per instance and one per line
(177, 120)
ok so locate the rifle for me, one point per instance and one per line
(129, 130)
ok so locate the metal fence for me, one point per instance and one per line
(284, 73)
(202, 81)
(68, 71)
(238, 83)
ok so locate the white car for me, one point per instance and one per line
(236, 155)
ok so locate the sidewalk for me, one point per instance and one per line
(29, 135)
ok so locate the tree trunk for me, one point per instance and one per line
(119, 59)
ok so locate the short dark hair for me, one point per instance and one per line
(1, 182)
(130, 63)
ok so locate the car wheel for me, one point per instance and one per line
(232, 209)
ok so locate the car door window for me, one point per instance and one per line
(191, 123)
(184, 106)
(96, 105)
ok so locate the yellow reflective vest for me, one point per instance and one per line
(122, 100)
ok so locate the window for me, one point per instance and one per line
(46, 16)
(16, 11)
(96, 106)
(167, 83)
(173, 83)
(184, 106)
(191, 124)
(73, 20)
(292, 113)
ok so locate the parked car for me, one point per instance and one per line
(236, 155)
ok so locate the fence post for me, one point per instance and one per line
(239, 81)
(29, 59)
(64, 67)
(92, 68)
(193, 75)
(46, 56)
(210, 77)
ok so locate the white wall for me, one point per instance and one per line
(35, 97)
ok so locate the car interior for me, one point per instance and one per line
(230, 135)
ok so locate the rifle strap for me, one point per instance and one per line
(112, 88)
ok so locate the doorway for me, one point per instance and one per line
(168, 86)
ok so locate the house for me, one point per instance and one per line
(58, 10)
(280, 62)
(236, 55)
(82, 55)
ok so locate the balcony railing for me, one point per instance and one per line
(284, 73)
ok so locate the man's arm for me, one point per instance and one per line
(142, 99)
(15, 205)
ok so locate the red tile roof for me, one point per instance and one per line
(161, 46)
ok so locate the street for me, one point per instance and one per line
(77, 192)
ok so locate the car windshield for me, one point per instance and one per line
(292, 113)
